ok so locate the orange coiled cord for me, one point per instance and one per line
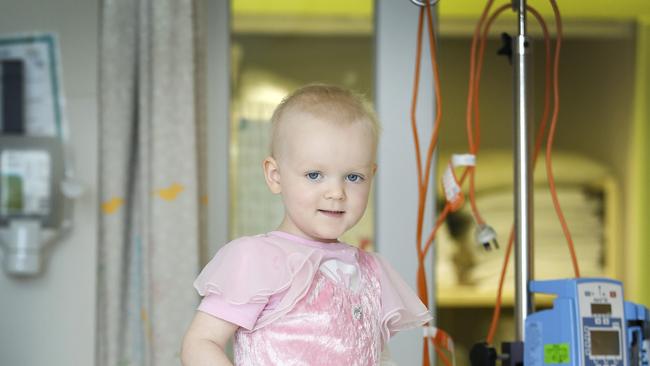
(423, 179)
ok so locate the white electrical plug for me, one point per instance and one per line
(486, 236)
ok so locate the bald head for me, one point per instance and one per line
(325, 103)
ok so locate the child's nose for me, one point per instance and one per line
(335, 192)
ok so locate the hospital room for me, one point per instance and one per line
(324, 182)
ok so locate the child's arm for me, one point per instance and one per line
(205, 341)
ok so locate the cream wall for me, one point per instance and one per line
(50, 320)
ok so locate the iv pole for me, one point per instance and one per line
(481, 353)
(523, 178)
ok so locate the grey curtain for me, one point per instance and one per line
(149, 227)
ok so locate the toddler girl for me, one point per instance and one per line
(297, 295)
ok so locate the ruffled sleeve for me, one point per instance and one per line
(401, 307)
(252, 281)
(238, 281)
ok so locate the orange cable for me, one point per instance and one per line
(472, 142)
(422, 187)
(497, 309)
(551, 135)
(423, 182)
(473, 102)
(476, 109)
(416, 139)
(547, 84)
(440, 354)
(472, 70)
(436, 76)
(470, 138)
(497, 306)
(421, 277)
(434, 135)
(540, 133)
(432, 145)
(447, 208)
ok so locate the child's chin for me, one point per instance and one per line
(329, 236)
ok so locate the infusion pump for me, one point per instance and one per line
(590, 324)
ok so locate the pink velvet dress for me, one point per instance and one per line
(302, 302)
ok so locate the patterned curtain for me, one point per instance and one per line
(149, 186)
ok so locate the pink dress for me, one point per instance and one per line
(302, 302)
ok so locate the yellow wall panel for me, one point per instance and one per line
(641, 158)
(354, 8)
(578, 9)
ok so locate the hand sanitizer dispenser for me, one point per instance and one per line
(35, 199)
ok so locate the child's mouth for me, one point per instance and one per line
(332, 213)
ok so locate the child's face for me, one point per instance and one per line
(323, 172)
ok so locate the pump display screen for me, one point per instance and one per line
(604, 343)
(605, 309)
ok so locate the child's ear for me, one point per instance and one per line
(374, 169)
(272, 175)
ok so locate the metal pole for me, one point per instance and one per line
(523, 178)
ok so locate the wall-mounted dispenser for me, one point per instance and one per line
(36, 176)
(35, 200)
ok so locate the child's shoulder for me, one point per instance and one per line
(378, 263)
(245, 268)
(243, 242)
(261, 245)
(248, 241)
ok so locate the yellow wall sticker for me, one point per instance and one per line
(112, 205)
(170, 193)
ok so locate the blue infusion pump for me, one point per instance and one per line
(589, 324)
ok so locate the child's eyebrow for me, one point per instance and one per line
(365, 168)
(360, 167)
(362, 171)
(315, 165)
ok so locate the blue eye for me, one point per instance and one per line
(354, 178)
(313, 176)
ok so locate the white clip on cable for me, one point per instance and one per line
(463, 160)
(453, 191)
(429, 331)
